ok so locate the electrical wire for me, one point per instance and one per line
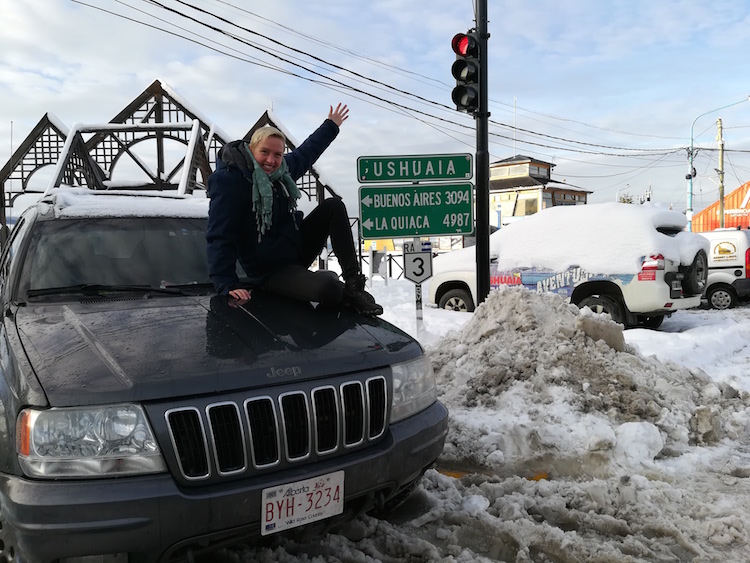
(442, 124)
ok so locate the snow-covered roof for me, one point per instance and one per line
(192, 109)
(82, 202)
(58, 123)
(280, 126)
(600, 238)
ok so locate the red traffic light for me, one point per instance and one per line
(466, 71)
(465, 45)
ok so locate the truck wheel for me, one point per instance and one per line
(695, 276)
(605, 304)
(457, 300)
(721, 297)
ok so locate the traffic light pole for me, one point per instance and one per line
(482, 199)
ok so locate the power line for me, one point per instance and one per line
(392, 68)
(655, 152)
(380, 101)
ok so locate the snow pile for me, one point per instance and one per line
(544, 396)
(83, 202)
(601, 238)
(565, 445)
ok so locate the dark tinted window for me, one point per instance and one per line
(669, 231)
(116, 251)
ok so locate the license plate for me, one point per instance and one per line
(295, 504)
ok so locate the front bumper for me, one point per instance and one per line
(152, 519)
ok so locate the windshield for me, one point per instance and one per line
(153, 252)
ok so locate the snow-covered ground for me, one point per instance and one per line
(570, 441)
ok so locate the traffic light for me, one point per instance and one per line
(466, 71)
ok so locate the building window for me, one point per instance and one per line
(539, 171)
(531, 206)
(546, 200)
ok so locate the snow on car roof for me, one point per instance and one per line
(82, 202)
(600, 238)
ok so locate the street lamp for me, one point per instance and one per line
(691, 171)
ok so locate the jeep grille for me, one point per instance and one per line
(233, 437)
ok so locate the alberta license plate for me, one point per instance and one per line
(295, 504)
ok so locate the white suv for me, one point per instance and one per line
(635, 262)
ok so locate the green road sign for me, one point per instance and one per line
(414, 168)
(416, 210)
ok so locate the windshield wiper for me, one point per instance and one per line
(102, 288)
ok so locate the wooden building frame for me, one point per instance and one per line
(157, 104)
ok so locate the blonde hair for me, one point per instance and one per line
(263, 133)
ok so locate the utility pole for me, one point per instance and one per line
(691, 169)
(720, 138)
(482, 200)
(470, 95)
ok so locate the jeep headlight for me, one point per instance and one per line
(85, 442)
(413, 387)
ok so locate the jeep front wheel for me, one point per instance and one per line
(605, 304)
(457, 300)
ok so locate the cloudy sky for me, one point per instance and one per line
(607, 91)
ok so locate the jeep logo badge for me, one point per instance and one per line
(281, 372)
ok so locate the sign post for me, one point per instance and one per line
(416, 209)
(418, 268)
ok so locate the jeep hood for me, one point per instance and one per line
(139, 349)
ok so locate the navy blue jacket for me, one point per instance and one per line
(232, 234)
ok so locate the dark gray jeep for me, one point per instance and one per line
(143, 418)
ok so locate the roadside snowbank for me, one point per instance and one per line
(563, 449)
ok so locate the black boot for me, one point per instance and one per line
(358, 299)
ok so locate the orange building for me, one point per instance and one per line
(736, 212)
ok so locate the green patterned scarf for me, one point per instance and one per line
(263, 191)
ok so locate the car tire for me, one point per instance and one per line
(721, 297)
(605, 304)
(457, 300)
(695, 276)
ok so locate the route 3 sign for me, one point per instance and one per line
(418, 266)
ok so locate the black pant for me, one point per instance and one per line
(329, 218)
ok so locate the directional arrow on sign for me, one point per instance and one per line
(367, 200)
